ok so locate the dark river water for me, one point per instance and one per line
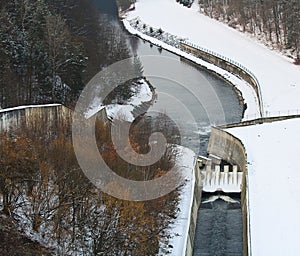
(219, 228)
(194, 99)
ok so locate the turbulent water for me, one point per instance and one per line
(219, 228)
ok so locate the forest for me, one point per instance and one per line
(50, 49)
(274, 22)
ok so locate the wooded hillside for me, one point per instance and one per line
(49, 49)
(276, 22)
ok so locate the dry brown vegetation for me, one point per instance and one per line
(44, 191)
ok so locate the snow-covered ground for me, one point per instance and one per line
(273, 186)
(142, 93)
(278, 76)
(179, 229)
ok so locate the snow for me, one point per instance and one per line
(273, 185)
(94, 108)
(28, 106)
(142, 93)
(278, 76)
(179, 230)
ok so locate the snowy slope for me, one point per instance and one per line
(274, 190)
(142, 93)
(179, 229)
(278, 76)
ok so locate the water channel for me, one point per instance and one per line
(210, 101)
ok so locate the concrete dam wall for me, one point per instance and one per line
(194, 211)
(227, 147)
(47, 116)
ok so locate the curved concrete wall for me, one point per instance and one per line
(194, 211)
(227, 147)
(227, 64)
(27, 116)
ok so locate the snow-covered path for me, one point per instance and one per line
(278, 76)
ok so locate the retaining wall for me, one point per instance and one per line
(46, 116)
(39, 117)
(231, 149)
(259, 121)
(194, 212)
(227, 147)
(227, 64)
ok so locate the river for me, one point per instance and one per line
(192, 97)
(184, 88)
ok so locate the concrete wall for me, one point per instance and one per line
(194, 213)
(246, 216)
(39, 117)
(46, 116)
(227, 64)
(227, 147)
(259, 121)
(231, 149)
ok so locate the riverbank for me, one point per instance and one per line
(245, 92)
(142, 92)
